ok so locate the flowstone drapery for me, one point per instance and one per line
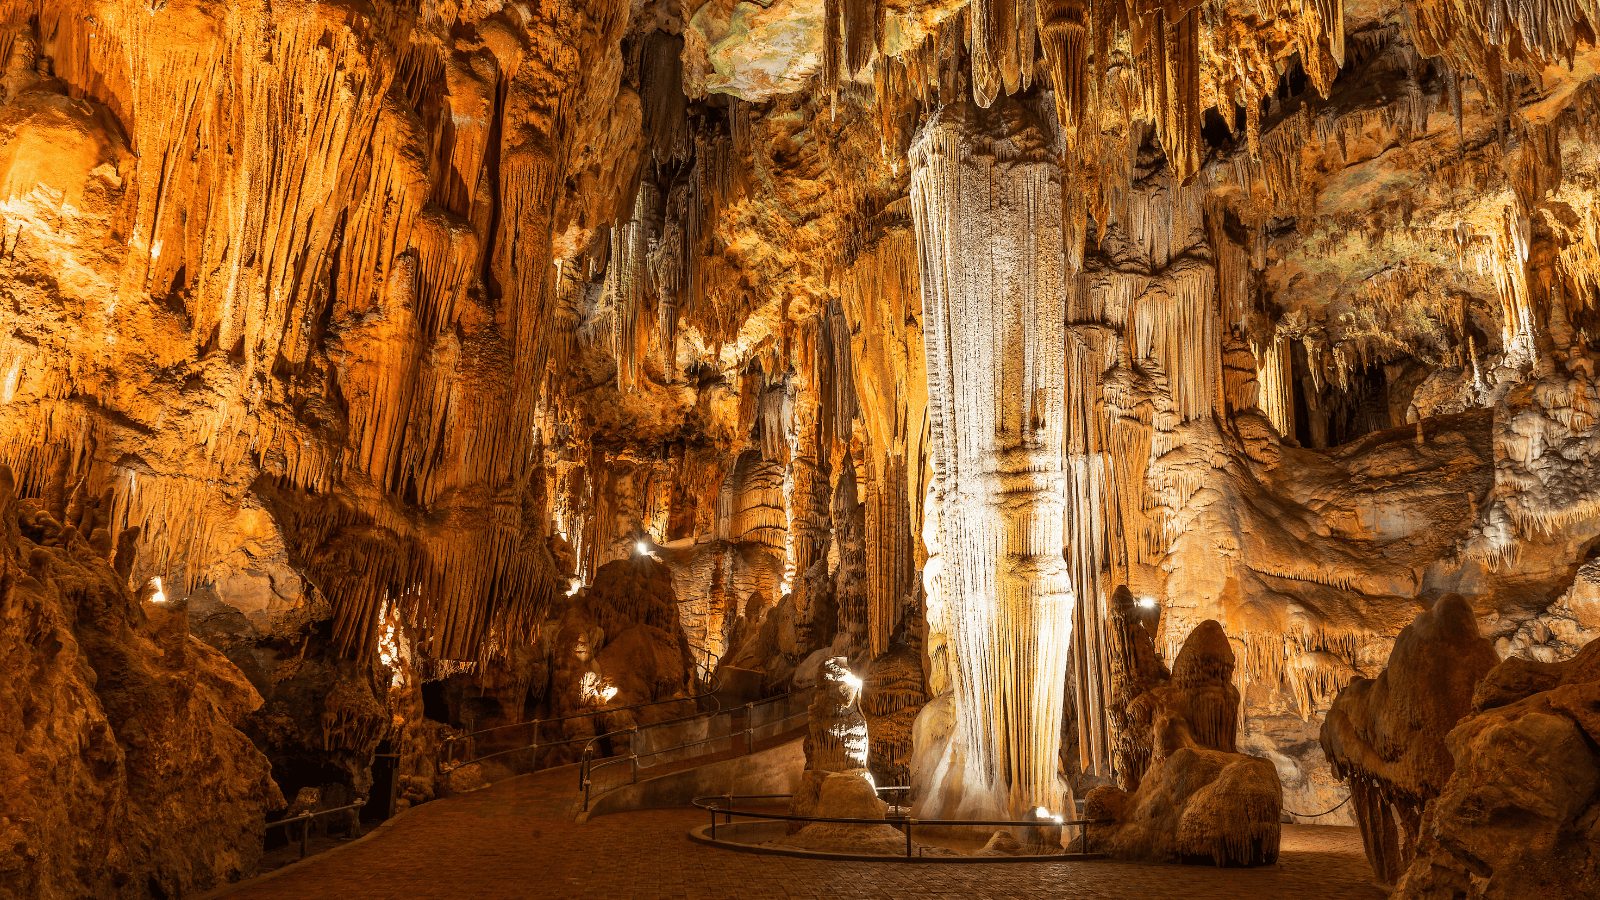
(986, 197)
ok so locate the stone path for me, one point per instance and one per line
(517, 840)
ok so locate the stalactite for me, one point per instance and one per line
(1277, 390)
(881, 305)
(1169, 70)
(625, 281)
(806, 504)
(1064, 31)
(1146, 355)
(660, 69)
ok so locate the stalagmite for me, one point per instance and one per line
(1199, 800)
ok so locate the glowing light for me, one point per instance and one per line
(854, 682)
(1147, 602)
(576, 586)
(643, 548)
(159, 596)
(1040, 812)
(594, 690)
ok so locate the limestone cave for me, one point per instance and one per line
(455, 448)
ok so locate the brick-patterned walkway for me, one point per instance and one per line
(517, 840)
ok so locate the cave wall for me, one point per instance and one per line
(390, 327)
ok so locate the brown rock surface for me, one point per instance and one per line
(387, 327)
(1520, 813)
(125, 773)
(1197, 801)
(1387, 736)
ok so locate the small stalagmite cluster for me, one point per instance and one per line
(1185, 408)
(1195, 798)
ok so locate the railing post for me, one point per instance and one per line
(633, 752)
(730, 809)
(909, 822)
(713, 823)
(749, 728)
(305, 829)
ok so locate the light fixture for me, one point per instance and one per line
(159, 596)
(851, 679)
(1147, 602)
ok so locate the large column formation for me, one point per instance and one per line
(986, 197)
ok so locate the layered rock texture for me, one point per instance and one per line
(458, 365)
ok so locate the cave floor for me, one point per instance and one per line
(518, 839)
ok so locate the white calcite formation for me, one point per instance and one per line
(986, 196)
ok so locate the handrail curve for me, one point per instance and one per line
(587, 764)
(446, 751)
(307, 817)
(904, 822)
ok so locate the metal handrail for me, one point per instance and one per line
(590, 765)
(907, 822)
(307, 817)
(712, 686)
(447, 764)
(587, 764)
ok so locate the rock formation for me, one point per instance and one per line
(392, 339)
(1196, 800)
(892, 694)
(620, 643)
(124, 771)
(1387, 736)
(836, 782)
(1519, 815)
(1486, 783)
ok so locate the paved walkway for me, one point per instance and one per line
(518, 840)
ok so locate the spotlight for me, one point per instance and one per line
(1147, 602)
(642, 547)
